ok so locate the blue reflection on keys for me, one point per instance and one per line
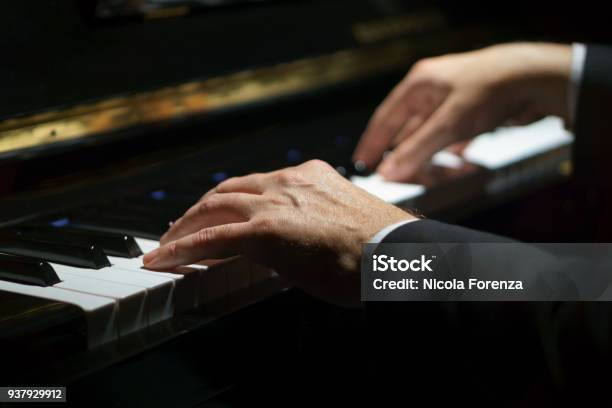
(62, 222)
(158, 195)
(219, 176)
(294, 156)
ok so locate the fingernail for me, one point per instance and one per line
(172, 223)
(150, 258)
(386, 169)
(391, 173)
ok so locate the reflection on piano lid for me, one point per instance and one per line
(210, 96)
(159, 8)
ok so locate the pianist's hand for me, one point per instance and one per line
(306, 222)
(453, 98)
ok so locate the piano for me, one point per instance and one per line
(116, 116)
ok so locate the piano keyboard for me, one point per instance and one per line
(93, 259)
(121, 297)
(388, 191)
(495, 151)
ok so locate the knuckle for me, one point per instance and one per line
(210, 203)
(172, 249)
(275, 200)
(203, 237)
(390, 124)
(379, 117)
(205, 206)
(225, 184)
(289, 177)
(424, 66)
(317, 164)
(262, 225)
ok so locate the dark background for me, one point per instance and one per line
(292, 350)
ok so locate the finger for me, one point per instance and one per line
(214, 210)
(252, 184)
(440, 130)
(218, 242)
(412, 124)
(386, 122)
(428, 102)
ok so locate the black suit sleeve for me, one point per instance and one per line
(434, 231)
(593, 127)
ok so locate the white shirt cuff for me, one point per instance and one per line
(382, 234)
(577, 68)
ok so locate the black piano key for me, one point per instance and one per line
(83, 256)
(28, 271)
(120, 223)
(112, 244)
(121, 245)
(153, 211)
(171, 196)
(168, 200)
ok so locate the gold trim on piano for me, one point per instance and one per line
(384, 29)
(203, 97)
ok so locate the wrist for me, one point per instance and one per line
(552, 86)
(373, 233)
(536, 74)
(548, 69)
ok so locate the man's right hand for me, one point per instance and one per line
(453, 98)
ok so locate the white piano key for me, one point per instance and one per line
(100, 312)
(216, 278)
(147, 245)
(159, 289)
(444, 158)
(187, 280)
(509, 145)
(131, 300)
(388, 191)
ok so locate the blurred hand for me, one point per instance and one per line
(455, 97)
(306, 222)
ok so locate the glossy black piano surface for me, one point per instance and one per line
(104, 137)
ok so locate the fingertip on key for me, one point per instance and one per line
(150, 258)
(387, 169)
